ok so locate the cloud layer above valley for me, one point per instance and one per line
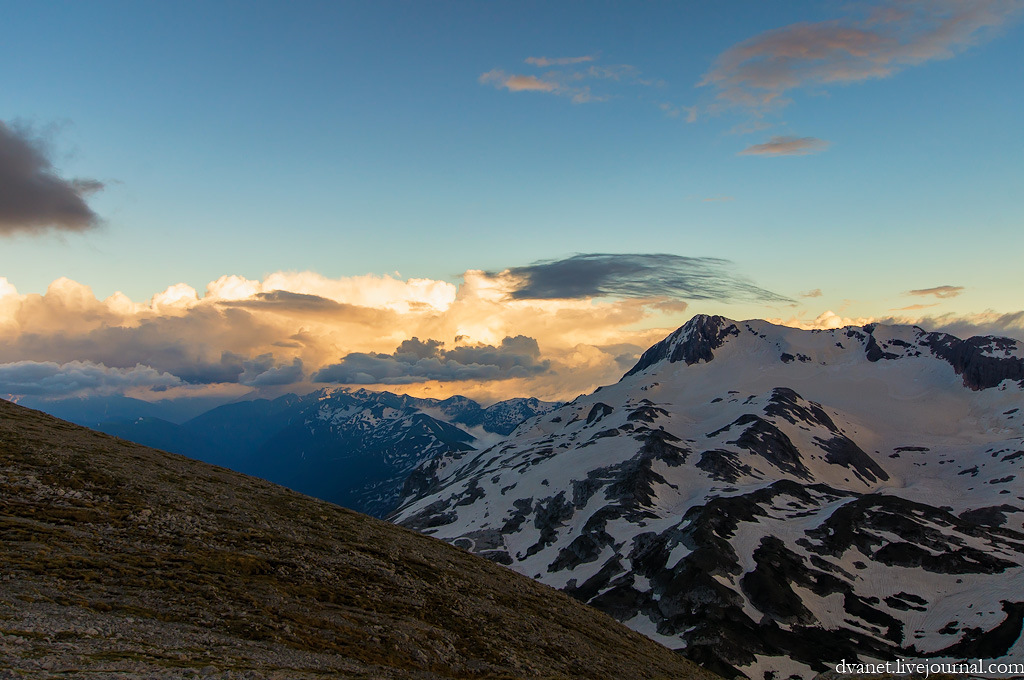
(552, 329)
(515, 332)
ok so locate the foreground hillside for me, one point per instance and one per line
(770, 501)
(122, 561)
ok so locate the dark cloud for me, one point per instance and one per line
(285, 299)
(419, 361)
(33, 198)
(48, 378)
(590, 275)
(199, 372)
(303, 304)
(264, 370)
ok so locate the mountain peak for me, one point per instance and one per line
(692, 342)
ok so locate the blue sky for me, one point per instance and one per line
(863, 150)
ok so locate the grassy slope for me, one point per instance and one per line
(116, 558)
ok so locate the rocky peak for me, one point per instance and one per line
(692, 342)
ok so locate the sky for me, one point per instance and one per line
(494, 199)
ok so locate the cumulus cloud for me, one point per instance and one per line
(263, 371)
(891, 36)
(786, 146)
(48, 378)
(596, 275)
(938, 291)
(416, 361)
(33, 197)
(275, 333)
(824, 321)
(811, 293)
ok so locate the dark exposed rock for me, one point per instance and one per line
(584, 548)
(786, 403)
(522, 506)
(969, 359)
(646, 412)
(597, 412)
(722, 465)
(907, 601)
(764, 439)
(871, 350)
(981, 644)
(768, 584)
(692, 342)
(841, 450)
(548, 515)
(862, 523)
(787, 358)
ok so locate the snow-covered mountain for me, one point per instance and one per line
(769, 500)
(352, 447)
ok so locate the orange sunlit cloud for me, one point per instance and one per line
(291, 326)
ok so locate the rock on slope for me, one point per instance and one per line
(770, 500)
(119, 561)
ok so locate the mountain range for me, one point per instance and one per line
(766, 500)
(351, 447)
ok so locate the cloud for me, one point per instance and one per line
(811, 293)
(823, 321)
(910, 308)
(517, 83)
(567, 79)
(78, 377)
(33, 197)
(416, 361)
(756, 74)
(263, 371)
(938, 291)
(1009, 324)
(687, 113)
(523, 331)
(786, 146)
(646, 276)
(544, 62)
(1005, 324)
